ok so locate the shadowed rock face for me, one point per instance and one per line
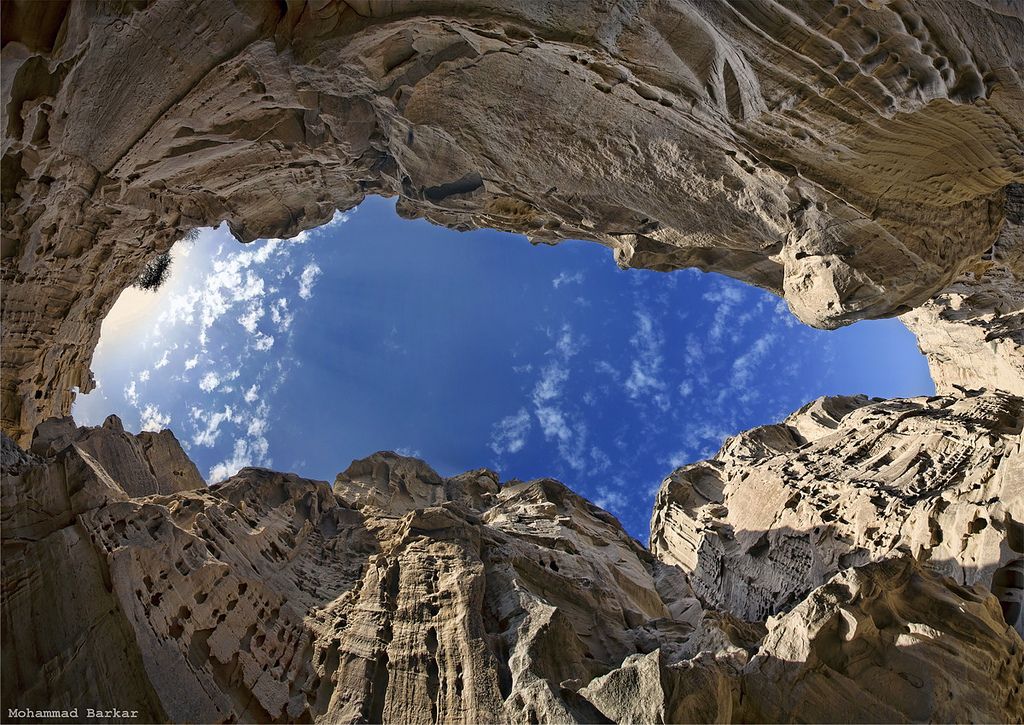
(862, 560)
(401, 596)
(851, 157)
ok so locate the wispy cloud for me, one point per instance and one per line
(245, 453)
(131, 394)
(509, 434)
(310, 273)
(744, 366)
(162, 362)
(726, 296)
(153, 419)
(645, 372)
(566, 278)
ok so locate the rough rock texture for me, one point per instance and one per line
(973, 331)
(887, 642)
(862, 158)
(144, 464)
(845, 481)
(401, 596)
(851, 156)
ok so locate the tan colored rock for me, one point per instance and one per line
(862, 160)
(144, 464)
(269, 597)
(855, 166)
(973, 331)
(887, 642)
(845, 481)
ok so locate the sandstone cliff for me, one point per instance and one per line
(849, 156)
(401, 596)
(845, 481)
(861, 560)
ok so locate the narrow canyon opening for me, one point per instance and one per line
(467, 349)
(859, 159)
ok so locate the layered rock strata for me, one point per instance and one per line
(973, 331)
(862, 159)
(402, 596)
(844, 481)
(850, 156)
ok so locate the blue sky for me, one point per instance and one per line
(468, 350)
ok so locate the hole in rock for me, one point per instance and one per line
(467, 349)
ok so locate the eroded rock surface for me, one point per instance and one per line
(402, 596)
(862, 159)
(845, 481)
(850, 156)
(271, 597)
(973, 331)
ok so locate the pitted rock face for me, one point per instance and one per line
(782, 508)
(850, 156)
(270, 598)
(861, 159)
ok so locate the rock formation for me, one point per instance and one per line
(844, 481)
(401, 596)
(862, 560)
(850, 156)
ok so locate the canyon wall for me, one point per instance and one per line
(862, 560)
(851, 156)
(397, 595)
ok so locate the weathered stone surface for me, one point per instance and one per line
(143, 464)
(862, 159)
(973, 331)
(270, 597)
(887, 642)
(849, 156)
(845, 481)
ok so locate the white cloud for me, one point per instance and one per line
(609, 499)
(208, 435)
(245, 453)
(645, 368)
(606, 368)
(308, 279)
(144, 376)
(743, 367)
(727, 295)
(153, 420)
(549, 386)
(252, 393)
(251, 318)
(209, 382)
(280, 314)
(263, 342)
(131, 394)
(601, 461)
(191, 362)
(510, 432)
(162, 361)
(564, 278)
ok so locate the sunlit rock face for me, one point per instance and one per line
(402, 596)
(973, 331)
(845, 481)
(862, 560)
(850, 156)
